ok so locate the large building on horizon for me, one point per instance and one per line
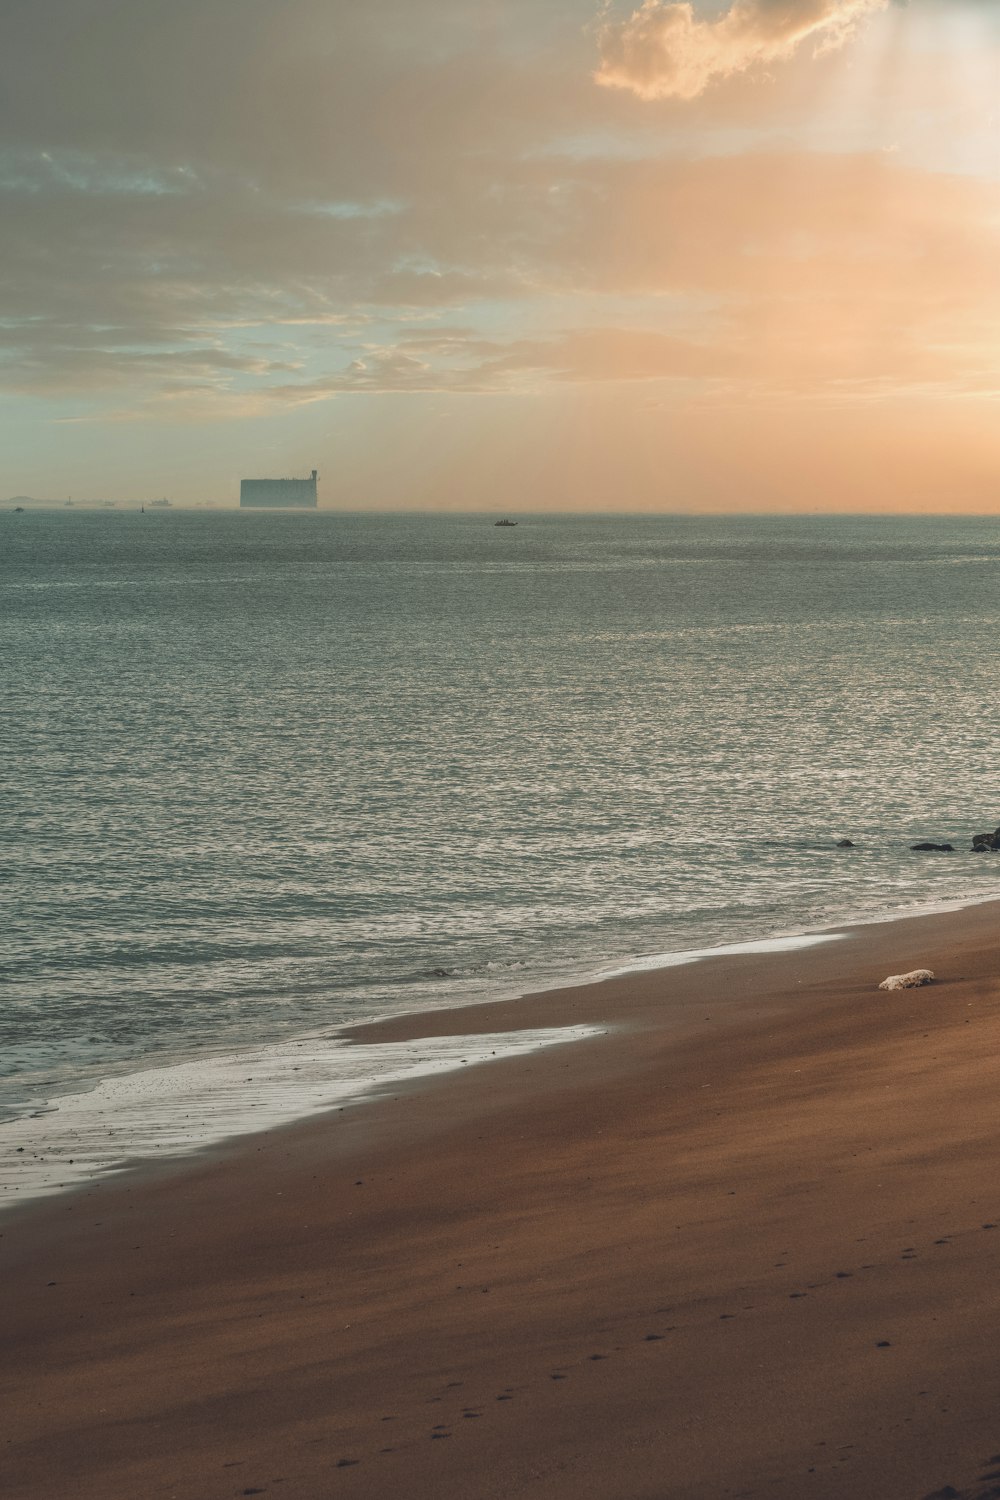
(278, 494)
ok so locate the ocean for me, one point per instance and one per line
(269, 774)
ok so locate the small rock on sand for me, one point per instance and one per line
(911, 981)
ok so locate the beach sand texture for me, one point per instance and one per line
(748, 1243)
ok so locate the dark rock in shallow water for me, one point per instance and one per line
(933, 848)
(982, 842)
(846, 844)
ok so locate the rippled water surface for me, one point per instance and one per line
(265, 773)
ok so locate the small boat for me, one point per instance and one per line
(505, 523)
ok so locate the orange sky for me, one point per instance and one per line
(542, 255)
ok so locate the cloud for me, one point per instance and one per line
(664, 51)
(762, 270)
(215, 170)
(458, 361)
(296, 222)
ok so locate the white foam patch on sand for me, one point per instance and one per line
(171, 1111)
(694, 955)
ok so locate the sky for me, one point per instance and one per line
(533, 255)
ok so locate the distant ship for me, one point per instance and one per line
(163, 504)
(505, 523)
(278, 494)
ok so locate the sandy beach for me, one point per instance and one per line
(746, 1243)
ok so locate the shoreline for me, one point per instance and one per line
(73, 1121)
(744, 1244)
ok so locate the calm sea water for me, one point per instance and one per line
(265, 774)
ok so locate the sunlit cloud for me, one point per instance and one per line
(664, 50)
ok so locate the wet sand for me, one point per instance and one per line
(748, 1243)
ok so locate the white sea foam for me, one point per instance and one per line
(694, 955)
(171, 1111)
